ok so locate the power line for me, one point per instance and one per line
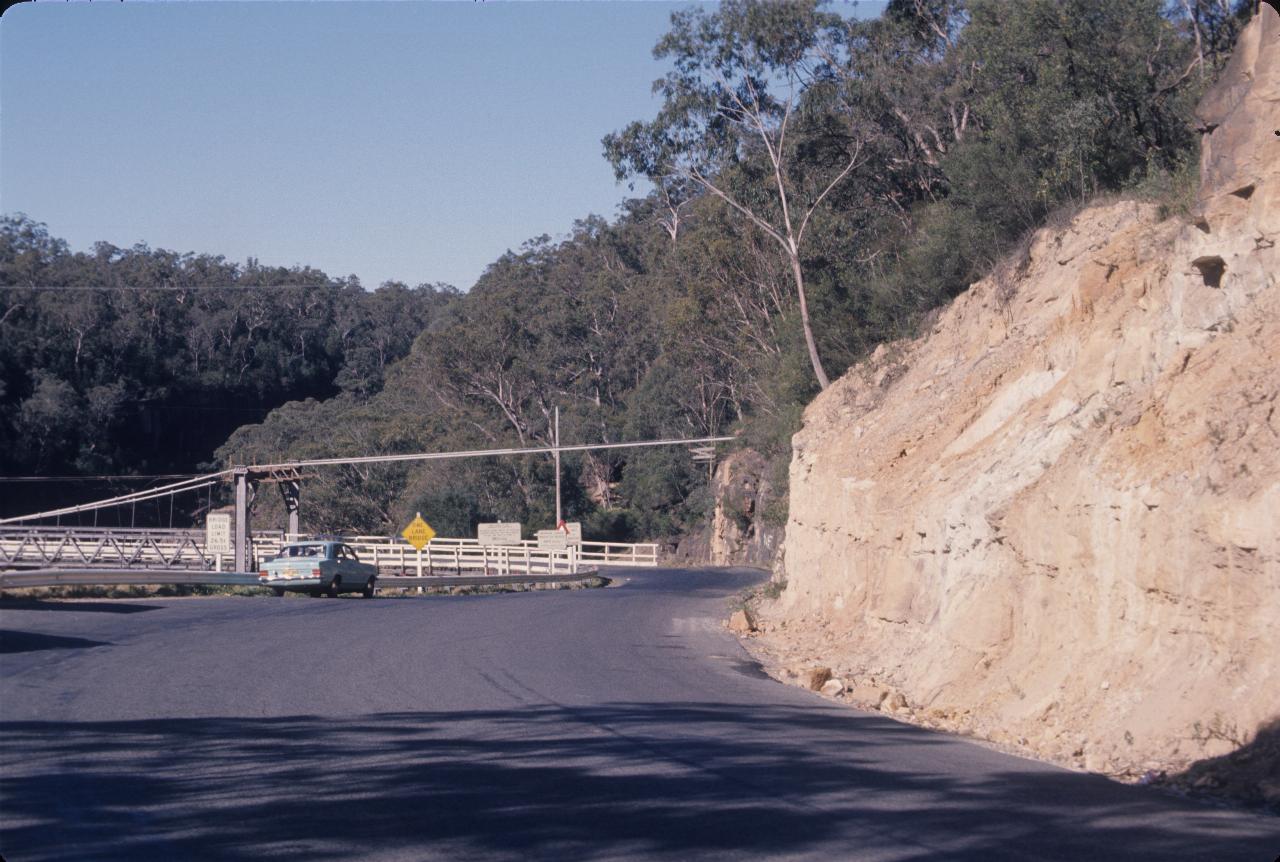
(133, 477)
(482, 453)
(433, 287)
(213, 478)
(177, 287)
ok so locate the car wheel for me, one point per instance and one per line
(279, 591)
(367, 592)
(335, 586)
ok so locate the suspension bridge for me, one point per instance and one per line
(33, 552)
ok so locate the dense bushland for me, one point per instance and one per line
(869, 169)
(144, 361)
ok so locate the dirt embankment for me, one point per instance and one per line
(1054, 520)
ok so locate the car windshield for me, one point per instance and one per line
(300, 551)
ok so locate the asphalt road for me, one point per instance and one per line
(596, 724)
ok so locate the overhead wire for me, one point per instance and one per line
(482, 453)
(135, 497)
(213, 478)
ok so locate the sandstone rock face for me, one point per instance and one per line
(740, 532)
(1057, 514)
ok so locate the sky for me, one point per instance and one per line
(414, 141)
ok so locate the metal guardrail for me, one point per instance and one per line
(166, 577)
(46, 547)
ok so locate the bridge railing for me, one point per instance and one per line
(185, 549)
(94, 548)
(470, 554)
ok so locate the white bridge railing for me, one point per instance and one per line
(22, 547)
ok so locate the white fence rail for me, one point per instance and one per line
(26, 547)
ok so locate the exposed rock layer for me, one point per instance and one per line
(741, 530)
(1055, 519)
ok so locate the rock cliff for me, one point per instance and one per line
(742, 530)
(1054, 519)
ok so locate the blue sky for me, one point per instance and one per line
(391, 140)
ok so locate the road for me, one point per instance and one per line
(621, 723)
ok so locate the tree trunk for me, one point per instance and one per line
(818, 370)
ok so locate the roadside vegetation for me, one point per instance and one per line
(819, 184)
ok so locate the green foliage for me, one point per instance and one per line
(141, 360)
(773, 589)
(1173, 190)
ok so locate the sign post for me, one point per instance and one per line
(502, 533)
(552, 540)
(217, 536)
(418, 533)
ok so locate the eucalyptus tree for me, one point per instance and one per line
(746, 119)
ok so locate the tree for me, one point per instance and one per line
(721, 119)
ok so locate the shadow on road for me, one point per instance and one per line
(620, 780)
(13, 642)
(107, 607)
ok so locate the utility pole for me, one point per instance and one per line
(556, 447)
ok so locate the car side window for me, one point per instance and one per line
(351, 554)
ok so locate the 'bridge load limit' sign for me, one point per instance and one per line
(419, 532)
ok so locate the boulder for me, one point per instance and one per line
(818, 677)
(832, 687)
(742, 622)
(894, 702)
(868, 695)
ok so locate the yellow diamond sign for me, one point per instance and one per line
(419, 532)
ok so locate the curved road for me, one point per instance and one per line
(596, 724)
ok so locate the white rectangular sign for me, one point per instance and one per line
(575, 532)
(498, 534)
(217, 533)
(552, 540)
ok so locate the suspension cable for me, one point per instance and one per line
(135, 497)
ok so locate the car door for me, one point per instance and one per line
(332, 563)
(341, 565)
(359, 571)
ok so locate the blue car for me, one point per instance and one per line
(320, 569)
